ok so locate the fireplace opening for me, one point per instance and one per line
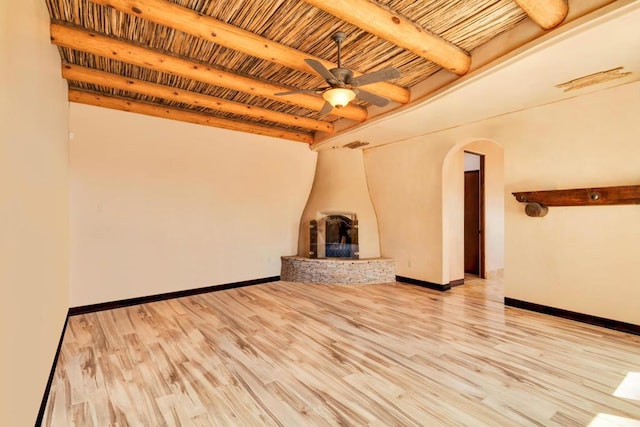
(338, 237)
(334, 236)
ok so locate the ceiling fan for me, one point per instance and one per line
(343, 86)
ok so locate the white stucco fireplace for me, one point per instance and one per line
(338, 239)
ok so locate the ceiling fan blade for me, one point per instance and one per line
(293, 92)
(326, 109)
(371, 98)
(321, 70)
(375, 77)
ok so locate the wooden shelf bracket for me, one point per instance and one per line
(538, 202)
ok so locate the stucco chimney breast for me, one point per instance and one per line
(340, 190)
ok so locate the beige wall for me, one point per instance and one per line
(405, 183)
(453, 214)
(33, 208)
(340, 186)
(160, 206)
(575, 258)
(417, 188)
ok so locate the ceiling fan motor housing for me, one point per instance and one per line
(343, 75)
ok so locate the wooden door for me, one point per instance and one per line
(472, 200)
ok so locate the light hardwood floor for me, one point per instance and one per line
(303, 355)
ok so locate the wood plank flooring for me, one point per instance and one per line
(291, 354)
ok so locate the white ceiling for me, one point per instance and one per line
(524, 79)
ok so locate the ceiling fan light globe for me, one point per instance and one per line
(339, 97)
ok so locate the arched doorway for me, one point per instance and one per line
(491, 205)
(473, 209)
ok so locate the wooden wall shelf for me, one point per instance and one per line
(539, 201)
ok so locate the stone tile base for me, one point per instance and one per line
(338, 271)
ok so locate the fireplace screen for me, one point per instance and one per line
(334, 236)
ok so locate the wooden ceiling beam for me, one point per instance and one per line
(546, 13)
(109, 47)
(165, 112)
(103, 78)
(208, 28)
(398, 30)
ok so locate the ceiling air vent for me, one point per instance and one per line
(593, 79)
(356, 144)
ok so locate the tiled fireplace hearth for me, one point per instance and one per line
(338, 270)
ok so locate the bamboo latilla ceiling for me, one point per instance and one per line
(293, 23)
